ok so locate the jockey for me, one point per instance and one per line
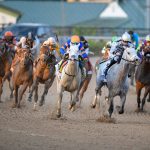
(87, 51)
(29, 42)
(117, 48)
(85, 45)
(53, 47)
(9, 40)
(75, 40)
(134, 38)
(145, 45)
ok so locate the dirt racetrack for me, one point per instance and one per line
(25, 129)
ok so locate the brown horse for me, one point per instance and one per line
(6, 56)
(142, 78)
(22, 75)
(44, 73)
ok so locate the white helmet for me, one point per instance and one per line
(126, 37)
(147, 38)
(23, 39)
(51, 41)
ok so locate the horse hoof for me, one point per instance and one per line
(137, 110)
(58, 115)
(14, 105)
(121, 111)
(73, 108)
(92, 106)
(18, 106)
(41, 103)
(29, 99)
(148, 100)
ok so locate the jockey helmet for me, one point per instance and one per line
(82, 39)
(52, 42)
(8, 33)
(23, 39)
(75, 39)
(30, 36)
(126, 37)
(108, 44)
(114, 39)
(147, 38)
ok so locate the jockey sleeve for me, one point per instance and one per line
(136, 40)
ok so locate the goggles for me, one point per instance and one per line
(74, 43)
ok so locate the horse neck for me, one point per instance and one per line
(121, 70)
(145, 67)
(72, 68)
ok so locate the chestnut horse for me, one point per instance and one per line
(22, 75)
(44, 73)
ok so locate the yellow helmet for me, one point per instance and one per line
(75, 39)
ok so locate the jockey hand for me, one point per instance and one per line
(66, 56)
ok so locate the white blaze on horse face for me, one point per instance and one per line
(74, 52)
(131, 54)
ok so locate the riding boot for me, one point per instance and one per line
(112, 62)
(83, 70)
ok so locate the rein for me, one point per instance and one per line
(70, 74)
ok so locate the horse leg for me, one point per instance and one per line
(11, 87)
(35, 83)
(1, 88)
(73, 100)
(138, 98)
(148, 100)
(60, 95)
(83, 89)
(97, 94)
(144, 98)
(122, 103)
(16, 96)
(111, 106)
(48, 84)
(35, 97)
(21, 92)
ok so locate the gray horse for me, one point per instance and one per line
(117, 82)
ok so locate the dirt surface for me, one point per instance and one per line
(25, 129)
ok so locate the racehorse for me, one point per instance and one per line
(6, 56)
(142, 78)
(44, 73)
(70, 80)
(22, 75)
(117, 82)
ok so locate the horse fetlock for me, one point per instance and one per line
(41, 102)
(30, 97)
(58, 114)
(93, 106)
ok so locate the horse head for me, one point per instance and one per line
(73, 53)
(26, 56)
(130, 55)
(146, 57)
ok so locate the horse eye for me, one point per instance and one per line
(128, 53)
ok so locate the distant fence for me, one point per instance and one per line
(102, 33)
(92, 32)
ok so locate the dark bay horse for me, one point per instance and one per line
(44, 73)
(6, 57)
(22, 75)
(142, 78)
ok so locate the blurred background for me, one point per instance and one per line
(97, 20)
